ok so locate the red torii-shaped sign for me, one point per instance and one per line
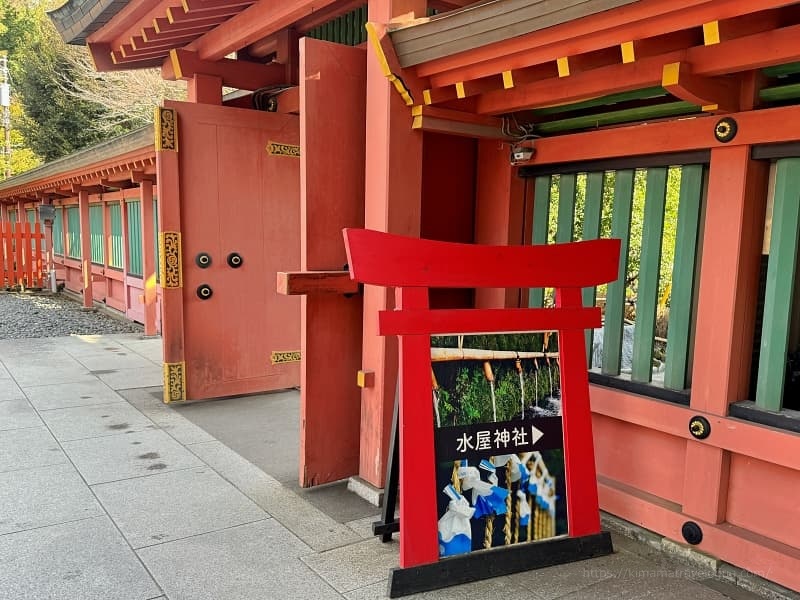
(413, 266)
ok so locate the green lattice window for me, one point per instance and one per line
(58, 231)
(656, 214)
(97, 234)
(134, 238)
(115, 248)
(73, 232)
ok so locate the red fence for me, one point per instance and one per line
(22, 257)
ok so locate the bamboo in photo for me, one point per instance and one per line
(509, 515)
(455, 479)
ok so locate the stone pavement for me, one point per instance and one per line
(106, 493)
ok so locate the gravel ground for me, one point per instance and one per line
(37, 316)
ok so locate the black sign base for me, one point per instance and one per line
(484, 564)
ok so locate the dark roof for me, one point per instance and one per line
(135, 140)
(77, 19)
(486, 23)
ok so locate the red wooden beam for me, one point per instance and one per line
(454, 122)
(774, 125)
(252, 24)
(163, 24)
(316, 282)
(712, 93)
(603, 30)
(743, 54)
(240, 74)
(179, 15)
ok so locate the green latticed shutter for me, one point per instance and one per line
(115, 241)
(134, 238)
(97, 233)
(73, 232)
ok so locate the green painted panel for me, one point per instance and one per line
(31, 215)
(780, 285)
(683, 277)
(58, 232)
(12, 216)
(619, 116)
(643, 94)
(155, 239)
(97, 233)
(615, 296)
(649, 267)
(116, 254)
(73, 232)
(541, 221)
(782, 70)
(134, 238)
(566, 208)
(346, 29)
(780, 92)
(592, 212)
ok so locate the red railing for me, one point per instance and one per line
(22, 256)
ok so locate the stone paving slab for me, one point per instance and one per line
(307, 522)
(10, 390)
(169, 506)
(44, 496)
(120, 359)
(78, 346)
(68, 395)
(124, 379)
(251, 562)
(32, 375)
(363, 527)
(645, 584)
(17, 414)
(488, 589)
(149, 402)
(356, 565)
(116, 457)
(28, 448)
(86, 560)
(82, 422)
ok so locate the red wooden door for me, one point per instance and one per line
(236, 194)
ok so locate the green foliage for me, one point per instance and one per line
(465, 394)
(637, 221)
(55, 123)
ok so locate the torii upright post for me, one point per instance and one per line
(413, 266)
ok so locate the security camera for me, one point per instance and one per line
(521, 154)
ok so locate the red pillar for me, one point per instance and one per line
(393, 189)
(500, 213)
(123, 211)
(169, 227)
(47, 228)
(726, 308)
(205, 89)
(86, 248)
(148, 257)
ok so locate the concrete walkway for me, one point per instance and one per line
(106, 493)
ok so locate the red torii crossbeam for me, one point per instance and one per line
(413, 266)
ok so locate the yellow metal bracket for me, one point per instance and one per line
(396, 81)
(174, 382)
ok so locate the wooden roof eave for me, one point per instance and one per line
(133, 150)
(486, 23)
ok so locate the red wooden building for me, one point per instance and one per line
(671, 124)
